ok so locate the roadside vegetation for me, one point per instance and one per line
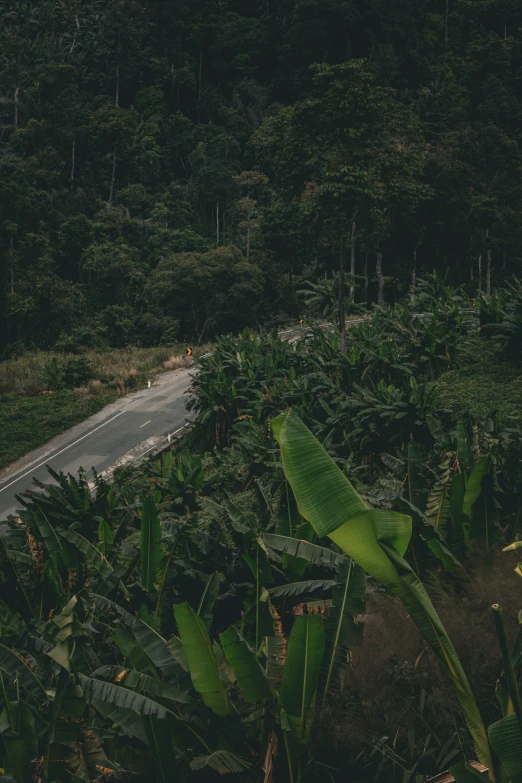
(302, 589)
(43, 394)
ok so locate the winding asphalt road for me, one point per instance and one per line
(122, 432)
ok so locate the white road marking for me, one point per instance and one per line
(144, 425)
(61, 452)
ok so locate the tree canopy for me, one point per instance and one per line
(132, 132)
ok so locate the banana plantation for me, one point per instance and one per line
(319, 583)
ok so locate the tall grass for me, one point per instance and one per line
(31, 413)
(121, 368)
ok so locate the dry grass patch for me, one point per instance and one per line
(32, 410)
(124, 369)
(174, 363)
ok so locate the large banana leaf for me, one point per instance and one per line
(149, 686)
(10, 563)
(128, 720)
(301, 588)
(312, 553)
(300, 676)
(159, 735)
(464, 450)
(438, 503)
(151, 551)
(202, 662)
(479, 502)
(95, 558)
(209, 598)
(18, 757)
(119, 696)
(105, 538)
(506, 740)
(466, 773)
(376, 541)
(250, 676)
(132, 651)
(13, 664)
(474, 484)
(223, 761)
(20, 745)
(459, 520)
(46, 530)
(150, 641)
(119, 574)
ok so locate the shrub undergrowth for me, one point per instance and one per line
(211, 626)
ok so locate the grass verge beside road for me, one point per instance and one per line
(44, 394)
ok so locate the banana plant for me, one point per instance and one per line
(505, 735)
(46, 732)
(377, 541)
(179, 476)
(290, 677)
(216, 670)
(463, 502)
(70, 531)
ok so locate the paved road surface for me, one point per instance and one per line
(119, 433)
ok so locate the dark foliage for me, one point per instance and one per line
(138, 138)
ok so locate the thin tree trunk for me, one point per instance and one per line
(352, 263)
(223, 233)
(117, 96)
(15, 118)
(380, 279)
(471, 272)
(248, 244)
(342, 325)
(217, 224)
(413, 281)
(113, 177)
(366, 278)
(73, 162)
(480, 273)
(504, 256)
(11, 263)
(199, 84)
(488, 264)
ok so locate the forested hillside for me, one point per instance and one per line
(181, 169)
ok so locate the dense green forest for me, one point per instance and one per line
(184, 169)
(322, 580)
(309, 587)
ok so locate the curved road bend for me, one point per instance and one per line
(121, 432)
